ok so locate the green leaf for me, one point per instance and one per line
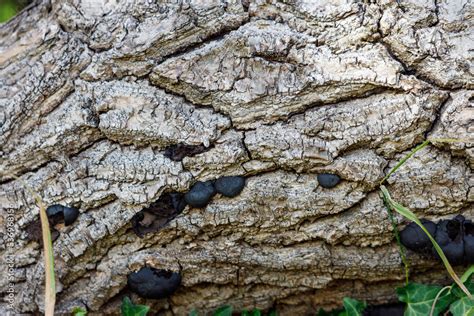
(462, 307)
(459, 293)
(7, 10)
(130, 309)
(224, 311)
(79, 311)
(352, 307)
(467, 274)
(255, 312)
(193, 313)
(420, 297)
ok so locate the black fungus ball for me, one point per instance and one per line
(468, 242)
(178, 202)
(414, 238)
(200, 194)
(328, 180)
(230, 186)
(454, 252)
(58, 212)
(153, 283)
(179, 151)
(449, 236)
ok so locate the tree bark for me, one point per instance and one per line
(96, 94)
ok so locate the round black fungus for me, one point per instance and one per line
(454, 252)
(58, 212)
(449, 236)
(179, 151)
(468, 242)
(230, 186)
(200, 194)
(177, 199)
(449, 230)
(469, 249)
(153, 283)
(328, 180)
(455, 238)
(414, 238)
(442, 237)
(158, 214)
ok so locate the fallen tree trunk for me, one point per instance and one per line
(107, 107)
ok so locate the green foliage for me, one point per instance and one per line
(224, 311)
(404, 159)
(352, 307)
(419, 299)
(130, 309)
(462, 307)
(79, 311)
(255, 312)
(7, 10)
(469, 285)
(467, 274)
(401, 248)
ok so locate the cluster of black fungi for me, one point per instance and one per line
(170, 204)
(455, 237)
(58, 213)
(156, 284)
(153, 283)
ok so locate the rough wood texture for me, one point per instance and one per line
(92, 94)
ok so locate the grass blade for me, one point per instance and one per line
(401, 248)
(467, 274)
(419, 147)
(411, 216)
(50, 283)
(404, 159)
(437, 297)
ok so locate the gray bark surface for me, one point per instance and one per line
(93, 92)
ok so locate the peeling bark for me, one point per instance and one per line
(108, 106)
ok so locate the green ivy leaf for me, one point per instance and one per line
(462, 307)
(459, 293)
(352, 307)
(420, 297)
(224, 311)
(79, 311)
(255, 312)
(130, 309)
